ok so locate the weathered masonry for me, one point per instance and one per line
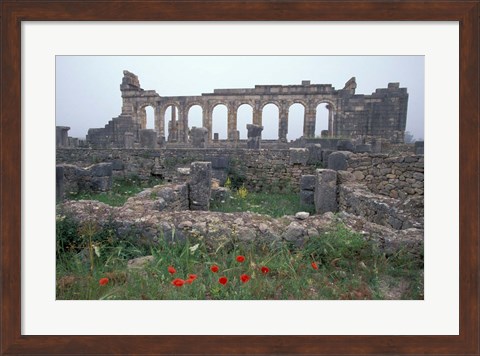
(382, 114)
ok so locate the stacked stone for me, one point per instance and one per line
(200, 185)
(148, 138)
(419, 147)
(393, 176)
(199, 137)
(337, 161)
(326, 191)
(254, 136)
(74, 179)
(61, 133)
(278, 169)
(307, 190)
(355, 199)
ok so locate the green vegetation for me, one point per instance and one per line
(122, 189)
(337, 265)
(273, 204)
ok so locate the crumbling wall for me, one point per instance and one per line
(393, 176)
(72, 179)
(273, 170)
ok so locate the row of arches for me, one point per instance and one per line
(270, 114)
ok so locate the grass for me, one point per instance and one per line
(122, 189)
(272, 204)
(349, 267)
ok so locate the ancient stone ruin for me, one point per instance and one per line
(381, 115)
(359, 172)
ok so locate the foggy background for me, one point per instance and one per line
(88, 87)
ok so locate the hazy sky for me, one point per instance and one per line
(88, 87)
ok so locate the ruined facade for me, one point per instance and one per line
(382, 114)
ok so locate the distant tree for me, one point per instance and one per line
(409, 138)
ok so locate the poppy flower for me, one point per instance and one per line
(177, 282)
(171, 270)
(265, 269)
(244, 278)
(191, 278)
(103, 281)
(214, 268)
(314, 265)
(223, 280)
(240, 258)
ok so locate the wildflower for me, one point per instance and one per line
(103, 281)
(244, 278)
(193, 248)
(214, 268)
(171, 270)
(240, 258)
(222, 280)
(177, 282)
(191, 278)
(265, 269)
(314, 265)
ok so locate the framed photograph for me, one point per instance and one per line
(47, 46)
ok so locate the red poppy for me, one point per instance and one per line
(189, 281)
(171, 270)
(314, 265)
(265, 269)
(244, 278)
(240, 258)
(192, 277)
(177, 282)
(223, 280)
(214, 268)
(103, 281)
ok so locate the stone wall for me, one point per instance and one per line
(72, 179)
(382, 114)
(393, 176)
(272, 170)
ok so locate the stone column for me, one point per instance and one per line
(257, 114)
(330, 120)
(172, 125)
(232, 121)
(200, 185)
(283, 123)
(182, 131)
(309, 122)
(207, 120)
(326, 191)
(159, 122)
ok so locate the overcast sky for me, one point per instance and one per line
(88, 87)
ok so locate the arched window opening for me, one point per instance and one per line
(195, 116)
(149, 117)
(220, 122)
(244, 117)
(270, 122)
(296, 117)
(321, 121)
